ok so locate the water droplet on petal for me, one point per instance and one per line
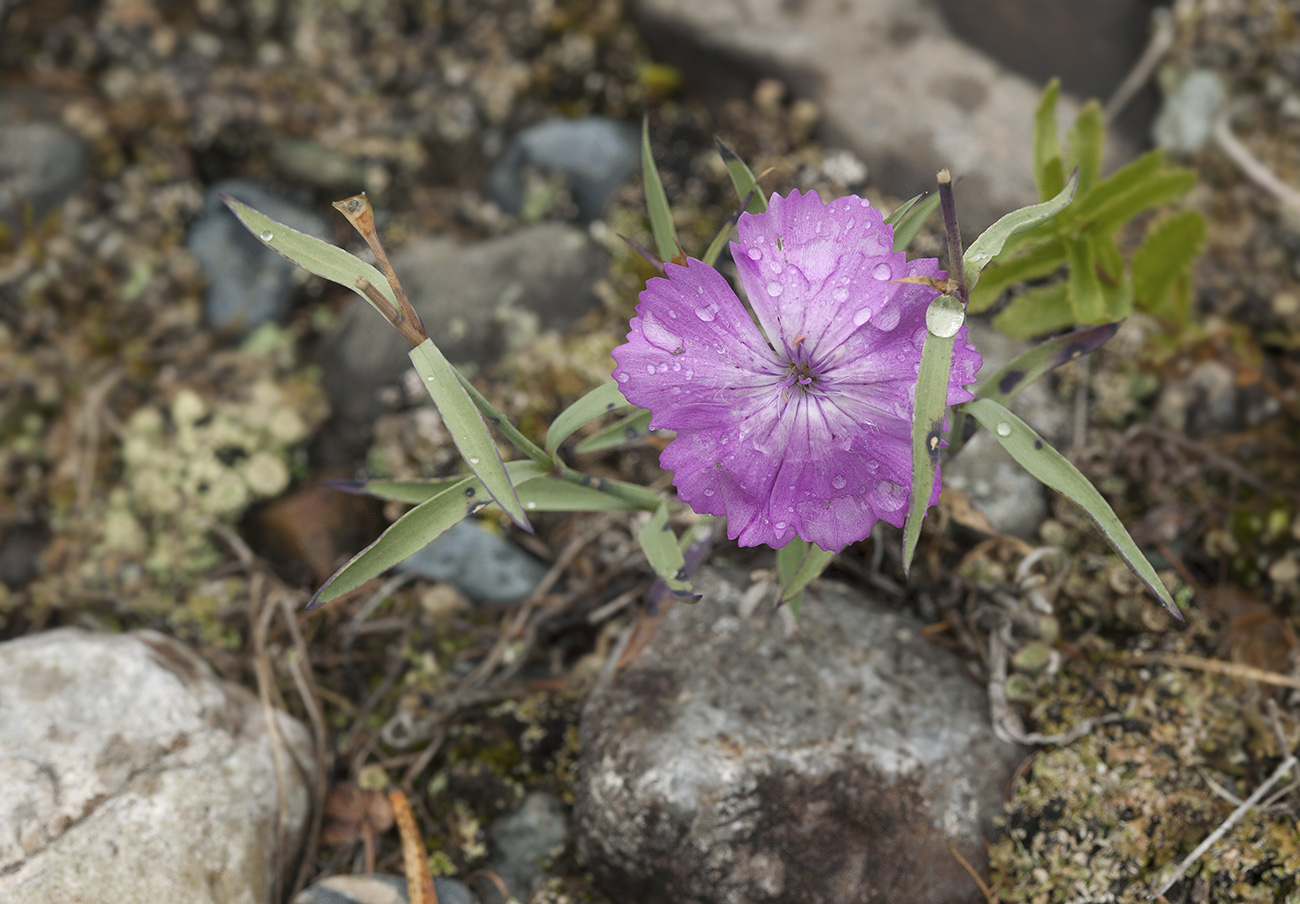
(774, 266)
(622, 378)
(889, 318)
(873, 465)
(861, 316)
(882, 272)
(1004, 429)
(708, 492)
(650, 368)
(840, 294)
(755, 254)
(724, 439)
(707, 312)
(864, 202)
(672, 315)
(838, 481)
(774, 289)
(267, 235)
(780, 525)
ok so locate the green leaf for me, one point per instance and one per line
(1087, 139)
(656, 202)
(551, 494)
(943, 319)
(903, 208)
(714, 251)
(1042, 309)
(911, 219)
(1040, 261)
(1085, 289)
(417, 491)
(1162, 188)
(1119, 183)
(664, 554)
(989, 245)
(1004, 385)
(1049, 175)
(405, 537)
(310, 253)
(1164, 257)
(467, 428)
(742, 177)
(601, 400)
(1052, 468)
(798, 564)
(631, 429)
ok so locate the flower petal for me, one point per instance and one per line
(693, 353)
(816, 272)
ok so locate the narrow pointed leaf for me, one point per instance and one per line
(913, 217)
(1085, 289)
(632, 429)
(1043, 309)
(989, 245)
(1087, 139)
(312, 254)
(714, 251)
(928, 413)
(662, 551)
(800, 565)
(1162, 188)
(742, 177)
(550, 494)
(417, 491)
(1007, 383)
(656, 202)
(1038, 262)
(467, 428)
(405, 537)
(601, 400)
(1053, 469)
(1049, 174)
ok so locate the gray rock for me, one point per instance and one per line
(130, 773)
(484, 566)
(1186, 118)
(523, 838)
(41, 164)
(893, 85)
(464, 294)
(730, 763)
(378, 889)
(1203, 403)
(596, 155)
(248, 283)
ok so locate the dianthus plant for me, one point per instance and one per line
(799, 425)
(801, 420)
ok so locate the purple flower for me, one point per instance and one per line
(802, 428)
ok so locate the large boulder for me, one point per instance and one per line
(130, 773)
(731, 763)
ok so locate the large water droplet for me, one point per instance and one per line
(1004, 429)
(707, 312)
(861, 316)
(623, 378)
(945, 316)
(780, 525)
(774, 266)
(918, 338)
(650, 368)
(882, 272)
(838, 481)
(755, 254)
(267, 235)
(774, 289)
(658, 335)
(889, 318)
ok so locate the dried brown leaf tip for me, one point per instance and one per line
(353, 814)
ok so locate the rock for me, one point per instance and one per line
(130, 773)
(248, 283)
(1186, 118)
(1203, 403)
(522, 839)
(464, 294)
(378, 889)
(596, 155)
(484, 566)
(41, 164)
(893, 85)
(731, 763)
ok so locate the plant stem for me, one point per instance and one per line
(956, 263)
